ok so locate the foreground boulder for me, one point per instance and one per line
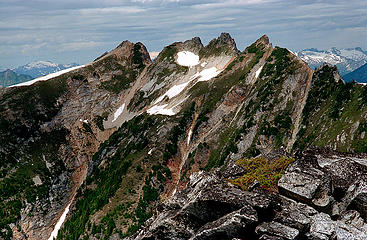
(212, 208)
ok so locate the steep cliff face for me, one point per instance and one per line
(334, 114)
(123, 139)
(49, 132)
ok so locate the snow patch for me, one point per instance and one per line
(258, 71)
(59, 223)
(84, 121)
(187, 59)
(173, 91)
(209, 73)
(47, 77)
(189, 137)
(118, 112)
(161, 110)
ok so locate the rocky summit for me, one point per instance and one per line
(204, 142)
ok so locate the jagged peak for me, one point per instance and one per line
(144, 54)
(224, 39)
(264, 39)
(127, 50)
(195, 42)
(125, 44)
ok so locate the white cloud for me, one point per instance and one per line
(231, 3)
(153, 1)
(69, 29)
(71, 46)
(29, 48)
(108, 10)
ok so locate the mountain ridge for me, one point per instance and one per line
(127, 143)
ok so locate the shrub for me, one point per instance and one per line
(266, 172)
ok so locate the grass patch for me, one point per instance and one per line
(119, 82)
(267, 172)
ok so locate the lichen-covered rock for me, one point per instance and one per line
(351, 226)
(211, 208)
(277, 229)
(322, 227)
(299, 185)
(357, 197)
(230, 226)
(295, 214)
(208, 208)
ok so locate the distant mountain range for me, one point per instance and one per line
(31, 71)
(8, 78)
(41, 68)
(360, 75)
(347, 60)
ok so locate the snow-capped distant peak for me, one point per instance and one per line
(346, 60)
(47, 77)
(40, 64)
(42, 68)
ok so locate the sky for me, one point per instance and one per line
(66, 31)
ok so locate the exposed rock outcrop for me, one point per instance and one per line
(211, 208)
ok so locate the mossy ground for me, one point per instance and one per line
(267, 172)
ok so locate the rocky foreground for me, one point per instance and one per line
(322, 195)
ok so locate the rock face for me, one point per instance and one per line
(49, 132)
(211, 208)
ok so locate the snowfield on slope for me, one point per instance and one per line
(118, 112)
(203, 72)
(187, 59)
(47, 77)
(161, 110)
(208, 74)
(204, 75)
(258, 72)
(59, 223)
(172, 92)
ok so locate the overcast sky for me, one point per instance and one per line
(66, 31)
